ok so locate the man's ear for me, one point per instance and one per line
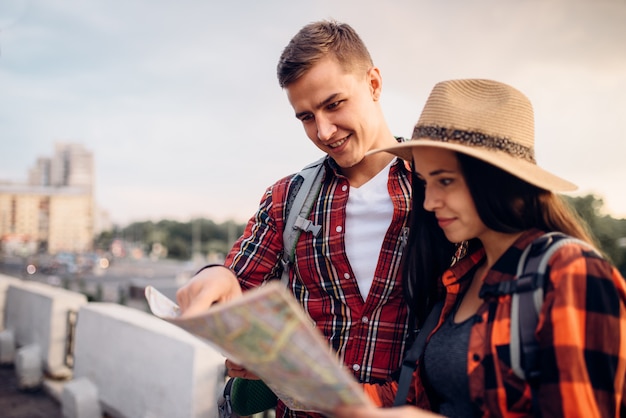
(375, 82)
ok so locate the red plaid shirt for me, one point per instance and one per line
(581, 333)
(368, 336)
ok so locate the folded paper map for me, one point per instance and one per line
(268, 332)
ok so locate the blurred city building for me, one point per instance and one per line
(70, 166)
(54, 210)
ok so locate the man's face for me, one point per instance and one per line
(339, 110)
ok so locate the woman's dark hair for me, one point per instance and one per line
(427, 255)
(504, 203)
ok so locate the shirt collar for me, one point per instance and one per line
(503, 269)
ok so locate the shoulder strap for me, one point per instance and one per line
(527, 300)
(415, 352)
(298, 210)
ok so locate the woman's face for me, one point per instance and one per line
(447, 194)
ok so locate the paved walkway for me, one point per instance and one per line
(24, 404)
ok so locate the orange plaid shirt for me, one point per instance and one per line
(581, 333)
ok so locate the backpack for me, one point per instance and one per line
(299, 203)
(527, 290)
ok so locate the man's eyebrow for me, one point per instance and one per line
(320, 105)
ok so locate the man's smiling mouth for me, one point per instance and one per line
(339, 143)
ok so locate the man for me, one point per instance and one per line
(348, 277)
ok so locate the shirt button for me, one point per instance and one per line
(346, 275)
(344, 187)
(339, 228)
(476, 357)
(356, 367)
(365, 320)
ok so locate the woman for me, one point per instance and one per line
(476, 184)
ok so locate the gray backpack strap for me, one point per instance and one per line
(298, 211)
(527, 300)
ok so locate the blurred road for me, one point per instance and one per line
(124, 279)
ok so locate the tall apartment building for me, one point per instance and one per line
(71, 166)
(54, 211)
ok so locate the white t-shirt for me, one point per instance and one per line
(368, 215)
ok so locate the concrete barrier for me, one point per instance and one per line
(5, 282)
(38, 314)
(80, 399)
(7, 347)
(143, 366)
(28, 367)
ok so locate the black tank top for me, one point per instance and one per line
(445, 365)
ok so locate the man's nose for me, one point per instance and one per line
(325, 128)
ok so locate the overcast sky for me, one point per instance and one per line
(178, 100)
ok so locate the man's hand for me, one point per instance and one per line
(209, 286)
(236, 370)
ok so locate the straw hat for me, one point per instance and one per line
(487, 120)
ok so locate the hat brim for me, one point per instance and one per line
(520, 168)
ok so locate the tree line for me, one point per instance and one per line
(180, 239)
(184, 239)
(610, 233)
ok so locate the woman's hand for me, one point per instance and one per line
(373, 412)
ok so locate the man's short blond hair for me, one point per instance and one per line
(319, 40)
